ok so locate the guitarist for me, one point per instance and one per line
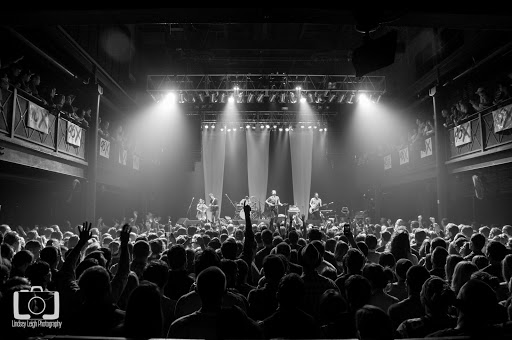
(214, 208)
(314, 207)
(273, 202)
(201, 210)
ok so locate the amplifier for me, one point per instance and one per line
(293, 210)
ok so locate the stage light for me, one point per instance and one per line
(213, 98)
(254, 127)
(297, 88)
(259, 99)
(309, 127)
(363, 98)
(235, 88)
(332, 97)
(273, 97)
(170, 97)
(213, 126)
(283, 97)
(310, 97)
(267, 126)
(222, 129)
(280, 129)
(229, 130)
(351, 99)
(302, 126)
(247, 126)
(287, 129)
(325, 129)
(302, 99)
(262, 127)
(250, 97)
(241, 127)
(206, 126)
(314, 127)
(231, 99)
(321, 130)
(341, 98)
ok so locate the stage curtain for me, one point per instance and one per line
(214, 152)
(301, 147)
(257, 164)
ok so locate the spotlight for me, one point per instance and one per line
(363, 98)
(283, 97)
(254, 127)
(235, 88)
(273, 97)
(250, 97)
(262, 127)
(297, 88)
(309, 127)
(332, 97)
(213, 98)
(231, 99)
(314, 127)
(321, 130)
(171, 96)
(260, 98)
(325, 129)
(303, 99)
(267, 126)
(247, 126)
(310, 97)
(222, 129)
(275, 126)
(287, 129)
(241, 127)
(213, 126)
(302, 126)
(281, 129)
(229, 130)
(341, 98)
(206, 126)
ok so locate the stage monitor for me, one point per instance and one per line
(375, 54)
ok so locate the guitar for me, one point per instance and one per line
(316, 208)
(201, 212)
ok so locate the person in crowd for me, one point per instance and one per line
(284, 249)
(496, 252)
(373, 323)
(411, 307)
(399, 289)
(179, 281)
(23, 81)
(157, 272)
(263, 301)
(477, 243)
(478, 313)
(290, 321)
(462, 274)
(242, 286)
(437, 298)
(401, 247)
(379, 281)
(439, 256)
(451, 262)
(206, 323)
(20, 262)
(354, 261)
(373, 255)
(266, 238)
(484, 100)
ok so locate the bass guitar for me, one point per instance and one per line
(317, 207)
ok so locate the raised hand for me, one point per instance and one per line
(84, 232)
(125, 234)
(247, 208)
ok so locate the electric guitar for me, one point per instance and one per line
(315, 208)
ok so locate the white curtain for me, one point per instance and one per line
(257, 164)
(214, 152)
(301, 146)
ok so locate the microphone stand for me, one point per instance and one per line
(233, 204)
(190, 206)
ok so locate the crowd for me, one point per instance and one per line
(145, 279)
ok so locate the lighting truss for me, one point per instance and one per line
(328, 86)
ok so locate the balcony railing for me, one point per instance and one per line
(26, 123)
(477, 133)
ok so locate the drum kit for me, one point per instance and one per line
(255, 212)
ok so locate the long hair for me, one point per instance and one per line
(400, 245)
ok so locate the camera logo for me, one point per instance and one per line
(36, 304)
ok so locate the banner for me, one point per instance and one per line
(136, 161)
(404, 156)
(38, 118)
(462, 134)
(104, 148)
(428, 148)
(74, 135)
(502, 118)
(387, 162)
(123, 155)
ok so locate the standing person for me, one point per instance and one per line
(273, 202)
(201, 210)
(314, 207)
(214, 208)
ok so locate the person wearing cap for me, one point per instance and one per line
(436, 297)
(479, 314)
(485, 100)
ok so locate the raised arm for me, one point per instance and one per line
(67, 273)
(248, 253)
(119, 281)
